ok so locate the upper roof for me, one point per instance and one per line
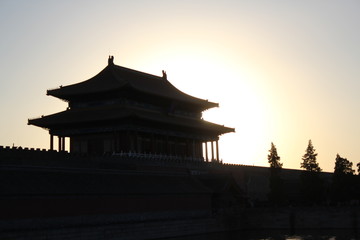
(114, 78)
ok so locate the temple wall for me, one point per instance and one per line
(124, 231)
(296, 218)
(130, 208)
(251, 179)
(288, 220)
(58, 195)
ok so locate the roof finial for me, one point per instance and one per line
(164, 75)
(111, 60)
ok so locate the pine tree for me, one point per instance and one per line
(343, 185)
(273, 157)
(309, 159)
(311, 183)
(276, 195)
(343, 166)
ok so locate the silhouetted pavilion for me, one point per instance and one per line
(121, 110)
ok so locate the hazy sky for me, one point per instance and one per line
(282, 71)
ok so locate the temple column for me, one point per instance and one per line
(132, 141)
(113, 142)
(206, 152)
(59, 143)
(198, 149)
(167, 145)
(212, 150)
(117, 142)
(137, 143)
(176, 146)
(128, 141)
(217, 151)
(63, 144)
(153, 144)
(51, 142)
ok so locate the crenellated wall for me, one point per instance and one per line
(253, 180)
(59, 195)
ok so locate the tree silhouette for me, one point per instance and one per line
(357, 180)
(343, 166)
(343, 180)
(309, 159)
(273, 157)
(311, 183)
(276, 195)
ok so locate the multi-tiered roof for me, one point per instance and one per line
(122, 99)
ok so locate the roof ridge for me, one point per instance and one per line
(138, 72)
(112, 65)
(114, 77)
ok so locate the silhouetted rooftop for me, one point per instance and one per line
(118, 112)
(114, 78)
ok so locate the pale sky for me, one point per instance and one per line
(282, 71)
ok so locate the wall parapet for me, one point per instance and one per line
(19, 155)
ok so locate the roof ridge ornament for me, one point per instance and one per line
(111, 60)
(164, 75)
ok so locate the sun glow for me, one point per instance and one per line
(241, 105)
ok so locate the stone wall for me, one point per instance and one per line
(253, 180)
(302, 218)
(31, 175)
(123, 231)
(289, 220)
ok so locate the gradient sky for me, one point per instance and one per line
(282, 71)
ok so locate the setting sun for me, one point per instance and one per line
(209, 74)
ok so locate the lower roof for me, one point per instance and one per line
(101, 114)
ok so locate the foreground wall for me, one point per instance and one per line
(302, 218)
(288, 220)
(123, 231)
(50, 195)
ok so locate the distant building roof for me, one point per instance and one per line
(114, 78)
